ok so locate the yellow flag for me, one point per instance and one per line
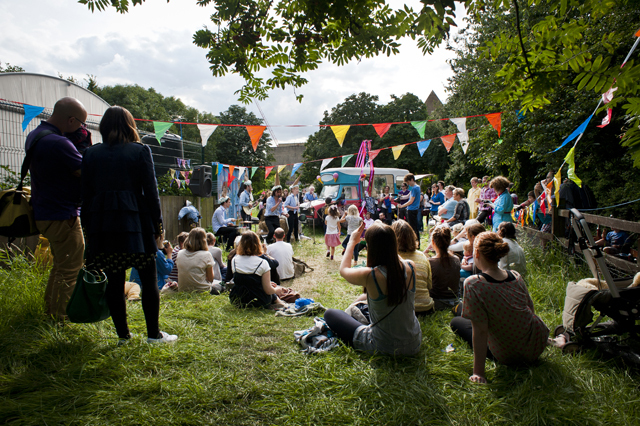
(557, 179)
(281, 168)
(340, 132)
(571, 171)
(396, 151)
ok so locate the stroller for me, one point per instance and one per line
(619, 336)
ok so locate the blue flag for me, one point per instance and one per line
(577, 132)
(423, 145)
(295, 167)
(30, 112)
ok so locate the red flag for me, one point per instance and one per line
(255, 133)
(373, 154)
(448, 141)
(495, 120)
(381, 128)
(231, 177)
(267, 170)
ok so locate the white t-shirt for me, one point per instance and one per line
(332, 225)
(249, 265)
(514, 260)
(283, 253)
(192, 270)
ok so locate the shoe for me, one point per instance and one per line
(166, 338)
(343, 252)
(328, 253)
(331, 257)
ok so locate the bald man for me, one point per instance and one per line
(55, 185)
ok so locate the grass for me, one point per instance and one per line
(242, 367)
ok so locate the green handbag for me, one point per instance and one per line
(88, 302)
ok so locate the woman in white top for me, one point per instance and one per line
(515, 259)
(195, 265)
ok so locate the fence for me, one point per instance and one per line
(171, 206)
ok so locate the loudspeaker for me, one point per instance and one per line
(200, 183)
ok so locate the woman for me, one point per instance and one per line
(273, 211)
(252, 276)
(445, 271)
(403, 197)
(503, 205)
(122, 219)
(515, 259)
(498, 319)
(472, 196)
(408, 250)
(390, 283)
(437, 199)
(223, 227)
(461, 212)
(195, 265)
(384, 204)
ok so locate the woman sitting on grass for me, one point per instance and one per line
(445, 270)
(498, 320)
(252, 276)
(390, 283)
(195, 265)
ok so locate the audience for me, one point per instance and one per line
(283, 253)
(448, 208)
(445, 271)
(173, 275)
(514, 259)
(219, 270)
(461, 211)
(195, 265)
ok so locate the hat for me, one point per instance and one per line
(247, 183)
(275, 188)
(294, 186)
(223, 200)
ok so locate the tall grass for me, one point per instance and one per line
(242, 367)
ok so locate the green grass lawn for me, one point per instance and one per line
(243, 367)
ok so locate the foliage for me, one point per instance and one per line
(11, 179)
(166, 187)
(10, 68)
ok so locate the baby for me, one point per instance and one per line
(466, 266)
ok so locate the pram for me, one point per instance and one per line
(618, 336)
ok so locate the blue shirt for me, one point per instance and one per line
(616, 238)
(415, 193)
(438, 198)
(502, 210)
(450, 206)
(219, 221)
(291, 201)
(245, 198)
(271, 202)
(164, 265)
(310, 197)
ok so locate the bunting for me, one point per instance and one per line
(345, 158)
(557, 180)
(496, 121)
(420, 127)
(463, 136)
(373, 154)
(448, 141)
(571, 171)
(580, 130)
(241, 171)
(253, 171)
(340, 132)
(30, 112)
(295, 168)
(255, 133)
(267, 170)
(381, 128)
(281, 168)
(206, 130)
(325, 163)
(220, 168)
(160, 128)
(422, 146)
(396, 151)
(231, 176)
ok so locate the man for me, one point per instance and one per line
(449, 206)
(56, 189)
(273, 211)
(413, 204)
(292, 204)
(461, 210)
(246, 201)
(472, 196)
(310, 196)
(223, 227)
(283, 253)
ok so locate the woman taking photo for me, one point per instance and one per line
(122, 219)
(390, 283)
(498, 320)
(195, 265)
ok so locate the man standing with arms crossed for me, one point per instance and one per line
(56, 189)
(413, 204)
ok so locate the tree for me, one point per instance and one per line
(10, 68)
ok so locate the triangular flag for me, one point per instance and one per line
(575, 134)
(496, 121)
(220, 168)
(448, 141)
(464, 144)
(172, 172)
(381, 128)
(30, 112)
(419, 126)
(557, 179)
(571, 171)
(281, 168)
(637, 34)
(463, 136)
(295, 168)
(177, 175)
(345, 158)
(606, 120)
(340, 132)
(608, 95)
(240, 173)
(231, 176)
(373, 154)
(160, 128)
(422, 146)
(178, 183)
(267, 170)
(205, 131)
(184, 174)
(543, 204)
(187, 181)
(253, 171)
(255, 133)
(325, 163)
(397, 150)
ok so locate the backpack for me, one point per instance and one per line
(16, 212)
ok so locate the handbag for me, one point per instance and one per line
(88, 303)
(16, 212)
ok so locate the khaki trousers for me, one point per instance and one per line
(67, 247)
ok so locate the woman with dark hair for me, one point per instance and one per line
(445, 271)
(437, 199)
(390, 283)
(503, 205)
(515, 259)
(122, 219)
(408, 250)
(195, 265)
(384, 204)
(252, 276)
(498, 319)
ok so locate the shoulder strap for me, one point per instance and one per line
(413, 273)
(259, 265)
(375, 281)
(27, 159)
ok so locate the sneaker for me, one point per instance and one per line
(328, 253)
(331, 257)
(166, 338)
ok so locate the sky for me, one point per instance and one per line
(151, 46)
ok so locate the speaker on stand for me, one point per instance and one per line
(201, 184)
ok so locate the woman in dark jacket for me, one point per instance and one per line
(121, 218)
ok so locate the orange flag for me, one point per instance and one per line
(267, 170)
(637, 34)
(448, 141)
(381, 128)
(231, 177)
(255, 133)
(495, 120)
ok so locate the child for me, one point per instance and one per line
(332, 234)
(466, 266)
(353, 222)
